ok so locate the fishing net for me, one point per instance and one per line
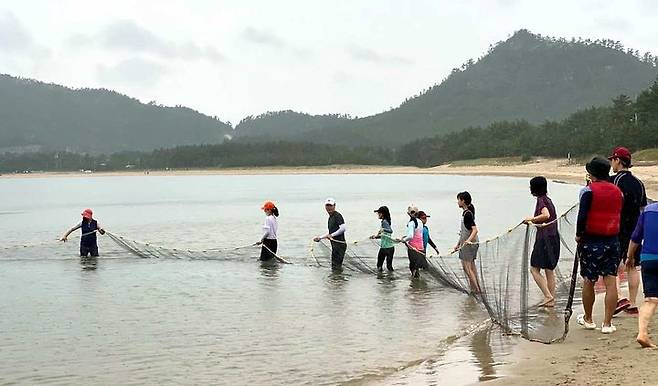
(503, 270)
(511, 297)
(507, 291)
(355, 260)
(148, 250)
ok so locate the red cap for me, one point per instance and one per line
(621, 152)
(268, 205)
(422, 214)
(87, 213)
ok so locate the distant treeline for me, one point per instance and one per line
(228, 154)
(595, 130)
(629, 123)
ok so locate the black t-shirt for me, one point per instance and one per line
(334, 222)
(469, 219)
(635, 198)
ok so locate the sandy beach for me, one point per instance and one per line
(554, 169)
(585, 357)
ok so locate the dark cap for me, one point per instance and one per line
(382, 209)
(422, 214)
(599, 168)
(622, 153)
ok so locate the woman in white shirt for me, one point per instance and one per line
(268, 241)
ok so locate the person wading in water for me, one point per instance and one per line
(468, 240)
(336, 235)
(88, 226)
(414, 241)
(386, 243)
(270, 228)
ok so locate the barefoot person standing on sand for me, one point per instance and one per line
(635, 199)
(646, 236)
(336, 235)
(546, 251)
(597, 230)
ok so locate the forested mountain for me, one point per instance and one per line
(95, 120)
(596, 130)
(287, 124)
(527, 77)
(625, 122)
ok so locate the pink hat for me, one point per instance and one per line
(87, 213)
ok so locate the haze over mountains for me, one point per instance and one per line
(526, 77)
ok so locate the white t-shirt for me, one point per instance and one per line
(270, 227)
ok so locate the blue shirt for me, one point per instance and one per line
(646, 233)
(426, 238)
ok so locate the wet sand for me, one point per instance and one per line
(586, 357)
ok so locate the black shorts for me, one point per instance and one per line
(624, 239)
(599, 258)
(650, 279)
(546, 252)
(89, 250)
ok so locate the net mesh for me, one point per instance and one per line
(503, 271)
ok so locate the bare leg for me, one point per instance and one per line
(588, 299)
(550, 281)
(646, 314)
(610, 298)
(633, 285)
(542, 284)
(474, 276)
(472, 281)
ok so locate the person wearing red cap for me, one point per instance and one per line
(270, 228)
(635, 199)
(88, 226)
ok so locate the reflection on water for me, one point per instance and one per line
(89, 263)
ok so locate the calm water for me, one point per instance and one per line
(160, 321)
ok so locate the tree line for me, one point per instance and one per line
(595, 130)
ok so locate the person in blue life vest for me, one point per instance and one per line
(645, 240)
(88, 226)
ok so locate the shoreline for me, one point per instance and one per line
(585, 357)
(557, 170)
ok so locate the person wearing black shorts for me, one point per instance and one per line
(635, 199)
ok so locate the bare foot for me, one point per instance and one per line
(548, 302)
(645, 342)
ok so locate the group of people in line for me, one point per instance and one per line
(614, 220)
(615, 231)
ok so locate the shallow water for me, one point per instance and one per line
(134, 321)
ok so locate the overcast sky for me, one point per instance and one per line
(237, 58)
